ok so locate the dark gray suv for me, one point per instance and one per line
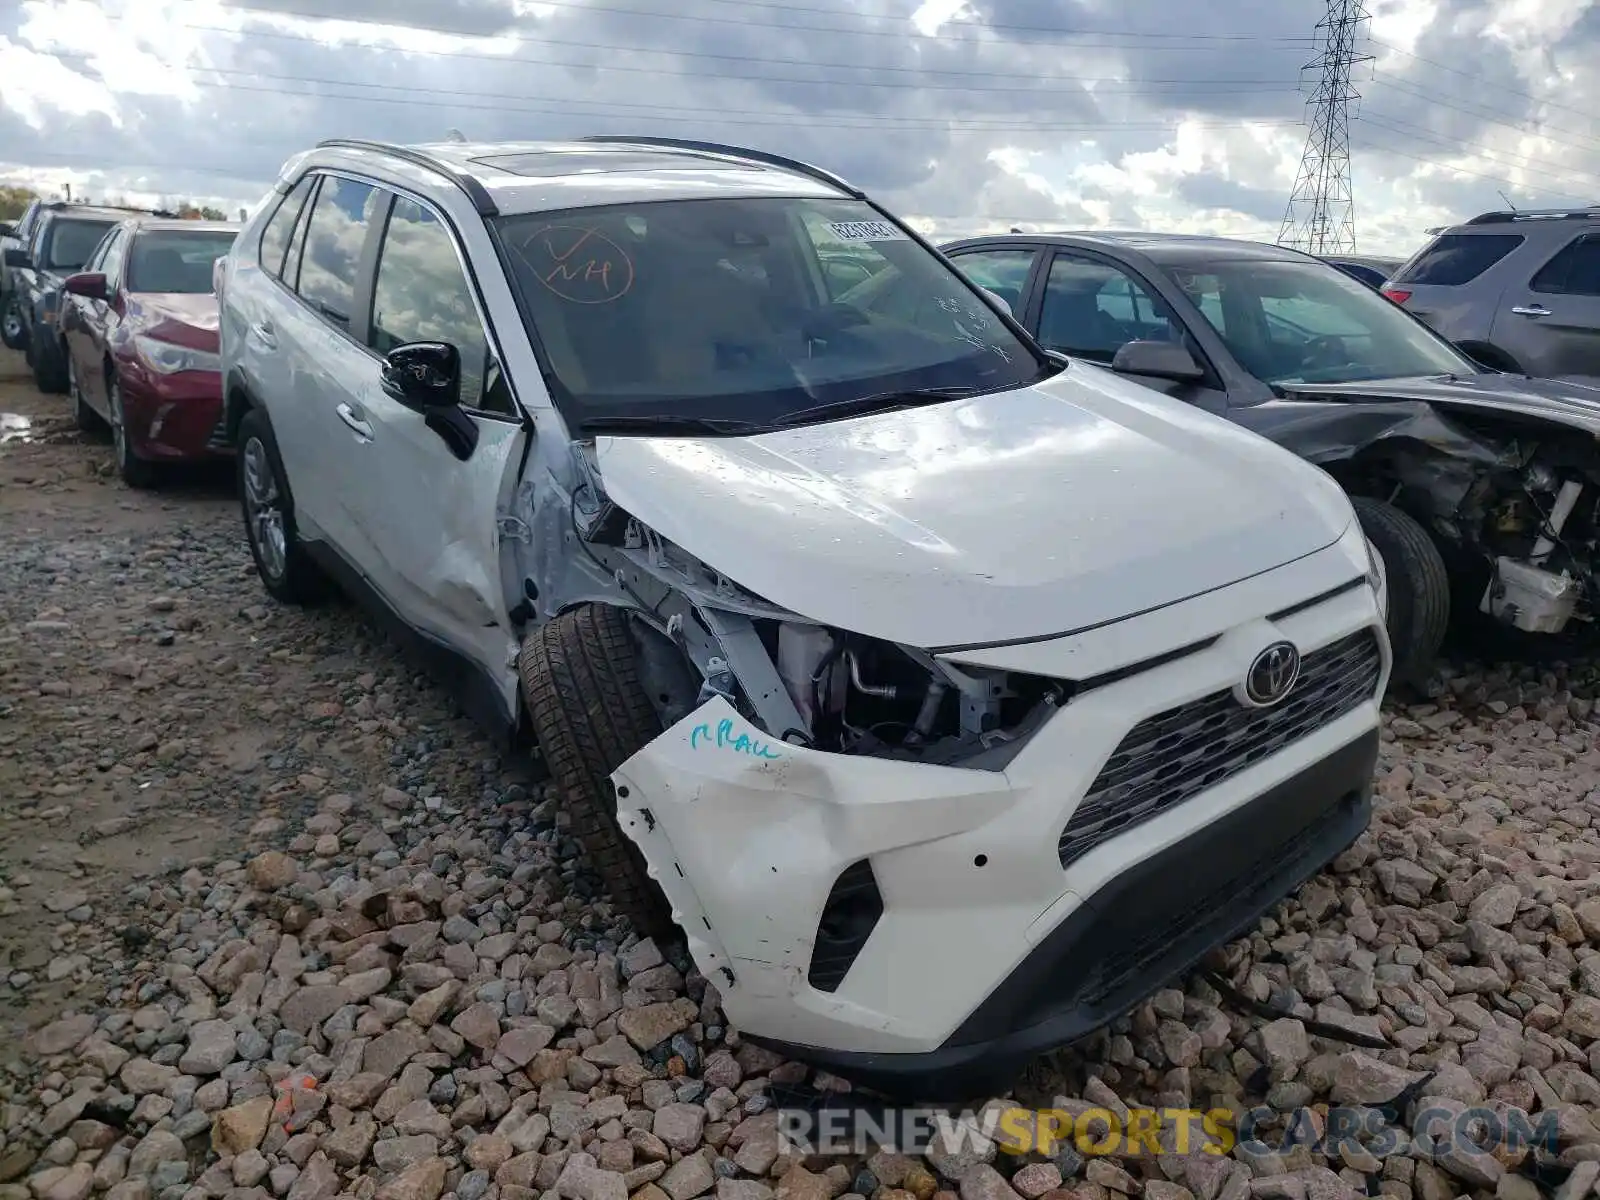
(1519, 291)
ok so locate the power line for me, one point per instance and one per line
(1528, 166)
(1477, 78)
(1138, 37)
(1320, 217)
(1489, 116)
(1442, 166)
(1243, 86)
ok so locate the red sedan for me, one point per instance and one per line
(140, 327)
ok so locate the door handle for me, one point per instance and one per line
(1531, 310)
(353, 419)
(265, 334)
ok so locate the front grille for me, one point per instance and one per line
(1177, 754)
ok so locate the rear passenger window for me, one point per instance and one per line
(1457, 258)
(275, 237)
(422, 295)
(340, 218)
(1573, 272)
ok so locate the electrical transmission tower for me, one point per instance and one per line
(1321, 213)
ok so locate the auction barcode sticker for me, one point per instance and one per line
(865, 231)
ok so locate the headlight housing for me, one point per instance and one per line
(1378, 578)
(168, 359)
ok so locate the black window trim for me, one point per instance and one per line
(366, 275)
(1572, 244)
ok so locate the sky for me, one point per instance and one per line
(966, 116)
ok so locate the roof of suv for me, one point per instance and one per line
(518, 177)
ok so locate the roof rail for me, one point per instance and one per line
(476, 192)
(1536, 214)
(760, 156)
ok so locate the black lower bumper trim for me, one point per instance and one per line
(1146, 927)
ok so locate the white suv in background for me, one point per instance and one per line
(948, 695)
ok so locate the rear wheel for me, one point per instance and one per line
(1418, 584)
(48, 361)
(1493, 357)
(286, 570)
(591, 713)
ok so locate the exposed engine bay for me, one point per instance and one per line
(1516, 498)
(822, 688)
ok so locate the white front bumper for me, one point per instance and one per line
(747, 836)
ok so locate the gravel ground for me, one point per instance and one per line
(275, 921)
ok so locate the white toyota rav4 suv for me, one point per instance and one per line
(949, 696)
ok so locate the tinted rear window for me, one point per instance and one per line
(1457, 258)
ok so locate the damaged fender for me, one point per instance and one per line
(746, 836)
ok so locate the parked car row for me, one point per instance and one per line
(860, 635)
(116, 308)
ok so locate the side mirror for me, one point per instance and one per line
(1158, 360)
(1000, 300)
(18, 258)
(423, 376)
(7, 229)
(90, 284)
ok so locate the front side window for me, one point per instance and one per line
(340, 217)
(1093, 309)
(421, 295)
(176, 261)
(1291, 323)
(70, 242)
(721, 309)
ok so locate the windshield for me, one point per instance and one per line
(1292, 323)
(736, 310)
(176, 260)
(72, 241)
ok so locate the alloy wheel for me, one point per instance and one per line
(12, 323)
(263, 504)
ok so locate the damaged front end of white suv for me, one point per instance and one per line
(921, 863)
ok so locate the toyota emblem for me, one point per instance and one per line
(1272, 675)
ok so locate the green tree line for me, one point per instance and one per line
(14, 199)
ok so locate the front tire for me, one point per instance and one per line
(136, 472)
(86, 419)
(286, 570)
(590, 714)
(1418, 583)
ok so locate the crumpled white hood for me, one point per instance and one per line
(1017, 515)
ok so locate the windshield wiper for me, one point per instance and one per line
(878, 402)
(667, 423)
